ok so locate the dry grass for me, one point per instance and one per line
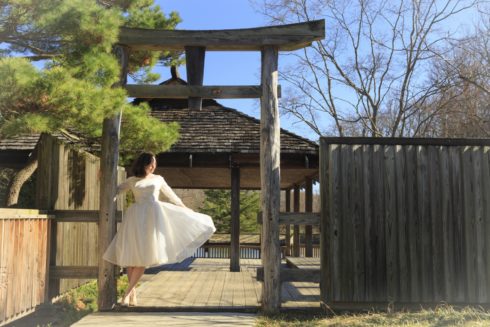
(440, 317)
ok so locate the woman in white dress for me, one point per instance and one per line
(152, 232)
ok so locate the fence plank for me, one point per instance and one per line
(346, 247)
(469, 225)
(379, 224)
(425, 224)
(457, 202)
(368, 210)
(436, 222)
(401, 182)
(391, 226)
(479, 241)
(325, 222)
(446, 227)
(486, 210)
(358, 223)
(335, 200)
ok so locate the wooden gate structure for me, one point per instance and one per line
(269, 41)
(404, 222)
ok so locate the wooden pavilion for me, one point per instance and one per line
(219, 147)
(270, 152)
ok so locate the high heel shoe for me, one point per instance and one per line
(132, 298)
(124, 302)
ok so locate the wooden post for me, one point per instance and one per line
(235, 219)
(270, 181)
(108, 180)
(194, 61)
(296, 244)
(288, 227)
(309, 208)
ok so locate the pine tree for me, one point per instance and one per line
(217, 204)
(57, 70)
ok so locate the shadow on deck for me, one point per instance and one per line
(205, 284)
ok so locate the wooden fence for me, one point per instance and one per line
(67, 179)
(405, 221)
(24, 252)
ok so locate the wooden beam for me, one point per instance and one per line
(235, 219)
(53, 283)
(107, 219)
(194, 60)
(270, 194)
(73, 272)
(296, 218)
(282, 37)
(288, 226)
(296, 239)
(309, 208)
(186, 91)
(311, 275)
(80, 216)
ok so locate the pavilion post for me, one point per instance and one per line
(194, 60)
(108, 184)
(270, 181)
(288, 227)
(296, 239)
(235, 219)
(309, 208)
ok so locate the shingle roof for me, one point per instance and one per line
(29, 141)
(219, 129)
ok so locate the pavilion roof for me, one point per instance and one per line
(219, 129)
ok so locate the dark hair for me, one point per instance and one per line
(141, 162)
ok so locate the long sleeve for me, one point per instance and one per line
(170, 194)
(124, 186)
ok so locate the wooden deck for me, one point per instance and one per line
(204, 284)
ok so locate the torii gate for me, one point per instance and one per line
(269, 41)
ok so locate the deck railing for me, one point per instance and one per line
(24, 258)
(247, 251)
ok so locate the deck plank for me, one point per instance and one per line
(208, 283)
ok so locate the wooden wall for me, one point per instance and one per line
(405, 223)
(67, 179)
(23, 261)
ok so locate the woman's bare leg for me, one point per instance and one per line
(129, 272)
(136, 274)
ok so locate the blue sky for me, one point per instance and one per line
(227, 68)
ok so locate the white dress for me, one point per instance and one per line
(152, 232)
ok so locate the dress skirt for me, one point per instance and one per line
(154, 233)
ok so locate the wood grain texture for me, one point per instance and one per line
(106, 280)
(288, 226)
(404, 223)
(296, 231)
(194, 61)
(23, 249)
(270, 181)
(282, 37)
(235, 220)
(308, 208)
(186, 91)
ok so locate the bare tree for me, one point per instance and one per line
(369, 76)
(462, 73)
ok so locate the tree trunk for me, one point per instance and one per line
(19, 179)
